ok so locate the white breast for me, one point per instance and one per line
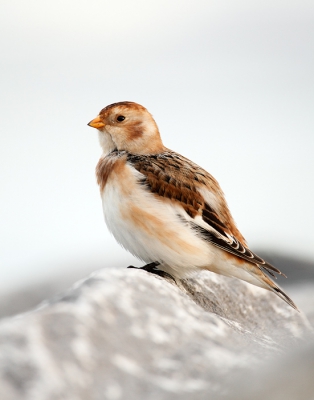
(151, 228)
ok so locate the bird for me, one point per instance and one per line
(165, 209)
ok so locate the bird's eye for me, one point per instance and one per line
(120, 118)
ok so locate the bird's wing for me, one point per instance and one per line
(177, 179)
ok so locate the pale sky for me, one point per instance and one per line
(230, 84)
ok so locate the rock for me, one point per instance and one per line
(289, 377)
(300, 274)
(127, 334)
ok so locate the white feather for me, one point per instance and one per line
(160, 231)
(106, 142)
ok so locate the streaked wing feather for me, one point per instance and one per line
(233, 246)
(168, 176)
(212, 219)
(174, 177)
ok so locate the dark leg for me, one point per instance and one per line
(152, 268)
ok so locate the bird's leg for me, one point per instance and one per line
(151, 267)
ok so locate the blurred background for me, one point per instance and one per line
(229, 82)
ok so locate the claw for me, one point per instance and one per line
(151, 267)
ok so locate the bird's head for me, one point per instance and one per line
(127, 126)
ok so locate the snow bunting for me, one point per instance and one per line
(166, 210)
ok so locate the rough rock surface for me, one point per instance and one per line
(20, 299)
(290, 377)
(126, 334)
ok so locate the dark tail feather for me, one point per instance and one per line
(271, 269)
(271, 285)
(284, 297)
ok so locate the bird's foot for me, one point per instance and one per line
(152, 268)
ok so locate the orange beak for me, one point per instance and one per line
(97, 123)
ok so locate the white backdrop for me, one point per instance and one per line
(229, 82)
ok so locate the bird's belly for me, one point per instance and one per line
(152, 229)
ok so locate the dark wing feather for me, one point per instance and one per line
(167, 175)
(233, 246)
(172, 176)
(212, 219)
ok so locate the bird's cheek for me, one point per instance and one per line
(110, 131)
(107, 130)
(113, 131)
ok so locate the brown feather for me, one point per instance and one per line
(135, 106)
(106, 165)
(173, 177)
(178, 179)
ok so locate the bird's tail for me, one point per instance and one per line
(254, 273)
(269, 284)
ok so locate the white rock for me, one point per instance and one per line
(127, 334)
